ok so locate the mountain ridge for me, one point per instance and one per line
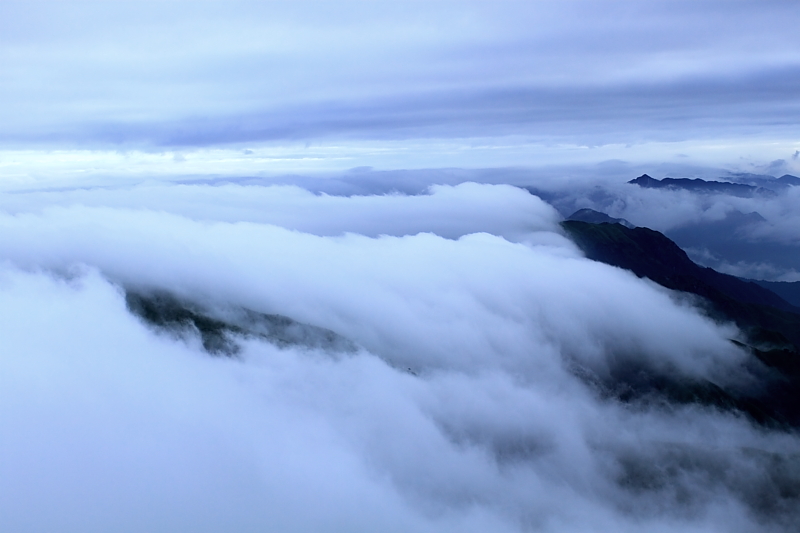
(702, 186)
(770, 323)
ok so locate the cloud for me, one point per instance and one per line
(243, 72)
(270, 269)
(462, 410)
(670, 209)
(448, 211)
(699, 107)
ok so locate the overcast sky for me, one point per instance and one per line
(331, 85)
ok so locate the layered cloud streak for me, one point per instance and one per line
(579, 72)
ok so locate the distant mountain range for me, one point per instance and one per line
(771, 324)
(762, 185)
(741, 242)
(760, 180)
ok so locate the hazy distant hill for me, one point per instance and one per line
(788, 179)
(789, 291)
(729, 240)
(701, 186)
(769, 182)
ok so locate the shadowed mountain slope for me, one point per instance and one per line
(221, 332)
(650, 254)
(731, 240)
(772, 325)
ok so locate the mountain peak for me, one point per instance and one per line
(597, 217)
(789, 179)
(645, 181)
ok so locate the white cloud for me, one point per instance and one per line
(448, 211)
(460, 412)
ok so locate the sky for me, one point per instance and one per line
(264, 88)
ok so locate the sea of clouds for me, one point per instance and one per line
(465, 407)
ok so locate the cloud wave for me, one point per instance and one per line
(463, 408)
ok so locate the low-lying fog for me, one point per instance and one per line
(462, 409)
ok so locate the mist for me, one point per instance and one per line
(470, 401)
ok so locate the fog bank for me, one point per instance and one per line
(465, 406)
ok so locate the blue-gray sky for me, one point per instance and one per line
(435, 82)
